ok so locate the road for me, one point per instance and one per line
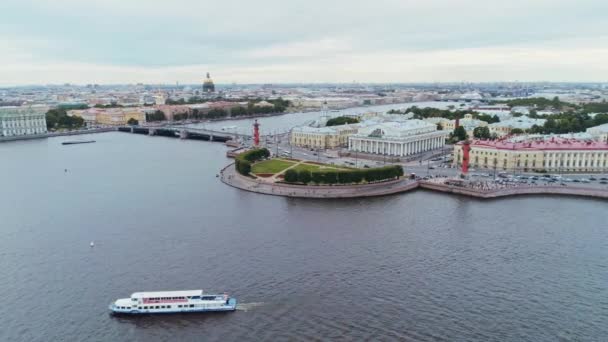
(424, 164)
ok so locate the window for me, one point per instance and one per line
(191, 305)
(179, 306)
(139, 308)
(157, 307)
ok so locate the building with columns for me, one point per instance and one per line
(22, 120)
(398, 139)
(540, 153)
(322, 137)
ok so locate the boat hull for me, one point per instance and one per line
(231, 306)
(77, 142)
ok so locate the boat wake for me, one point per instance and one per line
(247, 306)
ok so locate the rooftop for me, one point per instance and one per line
(536, 144)
(186, 293)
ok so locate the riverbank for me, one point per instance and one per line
(229, 176)
(57, 134)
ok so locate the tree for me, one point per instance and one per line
(481, 132)
(58, 118)
(341, 120)
(156, 116)
(291, 176)
(517, 131)
(317, 176)
(331, 177)
(459, 133)
(304, 176)
(133, 122)
(439, 126)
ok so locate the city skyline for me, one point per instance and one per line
(113, 42)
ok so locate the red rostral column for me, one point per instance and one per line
(256, 133)
(466, 148)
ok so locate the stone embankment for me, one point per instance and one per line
(517, 190)
(229, 176)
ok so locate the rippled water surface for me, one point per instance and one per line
(415, 267)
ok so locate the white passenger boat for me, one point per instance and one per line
(172, 302)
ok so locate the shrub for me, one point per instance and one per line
(243, 161)
(348, 176)
(291, 176)
(304, 176)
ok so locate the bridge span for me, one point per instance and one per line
(183, 132)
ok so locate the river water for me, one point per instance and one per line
(415, 267)
(282, 123)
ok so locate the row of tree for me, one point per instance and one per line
(244, 160)
(539, 102)
(341, 120)
(279, 106)
(157, 115)
(354, 176)
(59, 119)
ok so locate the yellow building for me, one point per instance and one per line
(322, 137)
(110, 116)
(548, 154)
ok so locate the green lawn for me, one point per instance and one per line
(271, 166)
(312, 167)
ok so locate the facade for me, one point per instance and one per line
(22, 121)
(522, 122)
(110, 116)
(546, 153)
(88, 115)
(322, 137)
(398, 138)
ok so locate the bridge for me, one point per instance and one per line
(184, 132)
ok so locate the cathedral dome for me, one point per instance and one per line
(208, 86)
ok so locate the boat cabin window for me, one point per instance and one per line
(196, 297)
(191, 305)
(208, 298)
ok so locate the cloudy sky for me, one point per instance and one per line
(274, 41)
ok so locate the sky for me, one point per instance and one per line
(296, 41)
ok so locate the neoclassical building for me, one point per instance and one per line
(322, 137)
(546, 153)
(503, 128)
(22, 121)
(398, 138)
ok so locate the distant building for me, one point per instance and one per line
(503, 128)
(322, 137)
(263, 104)
(398, 138)
(468, 122)
(110, 116)
(541, 153)
(159, 99)
(22, 120)
(599, 132)
(208, 86)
